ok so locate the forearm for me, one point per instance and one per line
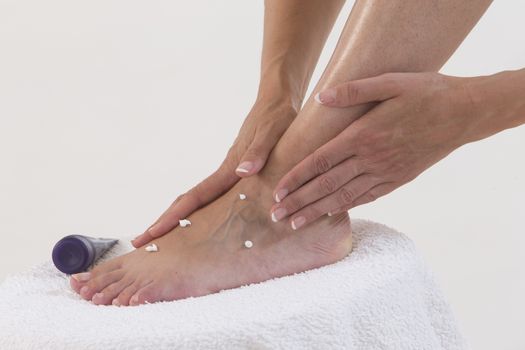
(498, 103)
(294, 35)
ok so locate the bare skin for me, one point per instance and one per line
(209, 256)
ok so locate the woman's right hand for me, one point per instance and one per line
(262, 128)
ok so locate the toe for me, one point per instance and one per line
(148, 294)
(100, 282)
(108, 294)
(107, 266)
(126, 294)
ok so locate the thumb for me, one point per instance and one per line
(257, 154)
(375, 89)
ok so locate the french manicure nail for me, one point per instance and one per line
(134, 300)
(279, 195)
(115, 302)
(244, 167)
(84, 290)
(298, 222)
(278, 214)
(82, 277)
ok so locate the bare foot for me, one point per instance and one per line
(210, 255)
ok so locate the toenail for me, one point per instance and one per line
(279, 195)
(84, 290)
(248, 244)
(152, 248)
(134, 299)
(115, 302)
(184, 223)
(97, 296)
(82, 277)
(298, 222)
(242, 196)
(278, 214)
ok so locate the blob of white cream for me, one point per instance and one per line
(152, 248)
(184, 223)
(242, 196)
(248, 244)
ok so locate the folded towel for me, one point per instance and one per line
(380, 297)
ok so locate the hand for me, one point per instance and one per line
(420, 118)
(263, 127)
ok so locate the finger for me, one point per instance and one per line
(257, 154)
(379, 88)
(368, 197)
(345, 196)
(322, 160)
(317, 188)
(205, 192)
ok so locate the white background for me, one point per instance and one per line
(109, 109)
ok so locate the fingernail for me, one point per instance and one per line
(279, 195)
(82, 277)
(97, 296)
(298, 222)
(115, 302)
(278, 214)
(134, 300)
(327, 96)
(84, 290)
(244, 167)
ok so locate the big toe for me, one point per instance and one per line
(99, 282)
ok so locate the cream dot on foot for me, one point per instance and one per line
(248, 244)
(152, 248)
(184, 223)
(242, 196)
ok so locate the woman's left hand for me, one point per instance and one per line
(419, 119)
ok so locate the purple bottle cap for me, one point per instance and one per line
(72, 255)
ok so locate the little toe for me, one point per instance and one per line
(151, 293)
(108, 294)
(100, 282)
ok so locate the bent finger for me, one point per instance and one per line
(317, 188)
(344, 196)
(368, 197)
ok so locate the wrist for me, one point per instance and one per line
(495, 101)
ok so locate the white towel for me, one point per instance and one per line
(380, 297)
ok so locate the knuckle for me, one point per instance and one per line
(351, 92)
(327, 184)
(371, 196)
(346, 197)
(321, 163)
